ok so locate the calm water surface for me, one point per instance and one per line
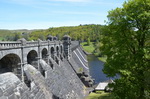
(95, 67)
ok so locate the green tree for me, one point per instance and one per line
(88, 41)
(17, 36)
(127, 46)
(26, 36)
(42, 37)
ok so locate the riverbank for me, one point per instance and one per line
(95, 67)
(100, 95)
(89, 49)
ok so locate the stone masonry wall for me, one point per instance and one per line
(59, 82)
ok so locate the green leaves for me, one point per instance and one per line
(82, 32)
(127, 46)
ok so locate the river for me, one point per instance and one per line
(95, 68)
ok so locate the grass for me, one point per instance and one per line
(88, 48)
(1, 38)
(103, 59)
(100, 95)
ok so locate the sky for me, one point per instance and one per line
(44, 14)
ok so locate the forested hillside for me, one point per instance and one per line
(81, 32)
(4, 33)
(13, 35)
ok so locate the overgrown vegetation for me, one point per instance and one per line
(80, 70)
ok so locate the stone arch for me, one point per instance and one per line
(52, 52)
(57, 50)
(32, 58)
(10, 51)
(11, 63)
(44, 54)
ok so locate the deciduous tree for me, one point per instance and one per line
(127, 46)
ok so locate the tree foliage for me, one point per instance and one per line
(82, 32)
(126, 42)
(88, 41)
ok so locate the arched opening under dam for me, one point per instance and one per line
(61, 51)
(57, 51)
(32, 58)
(11, 63)
(52, 52)
(44, 54)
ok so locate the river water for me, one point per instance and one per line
(95, 68)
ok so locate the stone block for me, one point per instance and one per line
(3, 97)
(24, 97)
(41, 96)
(38, 95)
(13, 96)
(1, 92)
(35, 90)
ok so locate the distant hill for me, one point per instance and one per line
(81, 32)
(10, 33)
(24, 30)
(4, 33)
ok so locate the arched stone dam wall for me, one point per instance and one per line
(53, 76)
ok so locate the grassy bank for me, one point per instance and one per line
(101, 95)
(1, 38)
(90, 49)
(103, 59)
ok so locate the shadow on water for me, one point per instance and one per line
(95, 68)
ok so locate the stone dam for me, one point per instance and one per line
(49, 69)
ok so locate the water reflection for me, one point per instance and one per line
(96, 67)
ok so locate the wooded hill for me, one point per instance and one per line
(81, 32)
(10, 34)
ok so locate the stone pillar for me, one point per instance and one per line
(23, 62)
(39, 53)
(55, 38)
(67, 44)
(50, 38)
(54, 53)
(48, 54)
